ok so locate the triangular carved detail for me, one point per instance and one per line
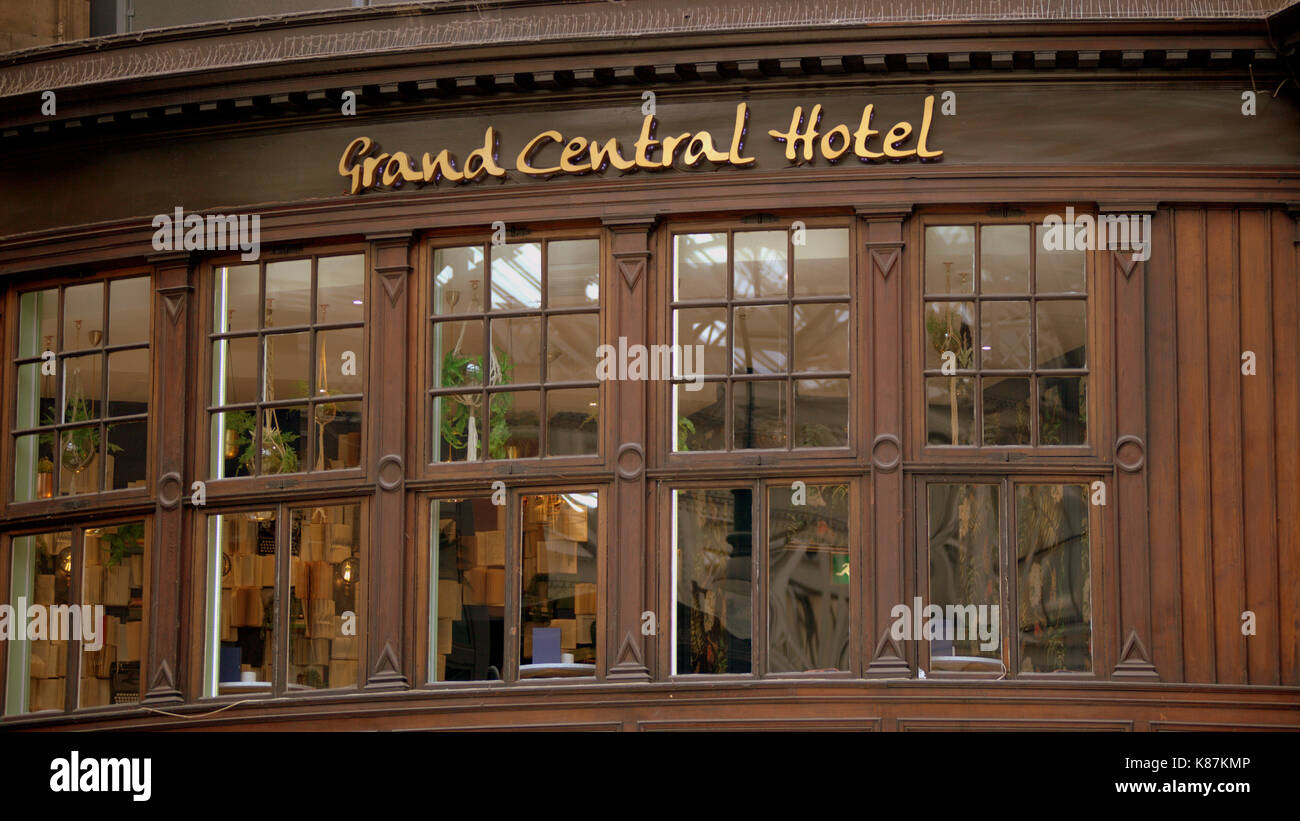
(388, 673)
(393, 284)
(629, 664)
(1134, 662)
(631, 269)
(884, 262)
(1126, 263)
(163, 679)
(173, 304)
(888, 660)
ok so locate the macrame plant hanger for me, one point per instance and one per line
(473, 401)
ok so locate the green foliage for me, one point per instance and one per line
(281, 457)
(685, 430)
(454, 426)
(124, 541)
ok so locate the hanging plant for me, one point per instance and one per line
(278, 454)
(454, 427)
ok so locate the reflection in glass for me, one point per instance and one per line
(950, 327)
(458, 280)
(467, 590)
(821, 264)
(761, 340)
(83, 316)
(712, 580)
(515, 424)
(37, 326)
(516, 276)
(234, 370)
(949, 259)
(699, 417)
(288, 293)
(1004, 335)
(340, 288)
(516, 351)
(572, 421)
(821, 337)
(1053, 579)
(761, 263)
(1006, 411)
(760, 414)
(699, 266)
(573, 273)
(821, 413)
(128, 311)
(1058, 271)
(808, 579)
(559, 597)
(1062, 334)
(1063, 410)
(964, 577)
(1004, 259)
(706, 327)
(235, 305)
(571, 342)
(949, 410)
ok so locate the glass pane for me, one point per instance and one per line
(1058, 271)
(514, 425)
(288, 293)
(341, 361)
(701, 334)
(83, 316)
(712, 577)
(573, 273)
(113, 576)
(341, 289)
(1004, 335)
(808, 624)
(288, 366)
(821, 337)
(1062, 334)
(34, 467)
(81, 387)
(761, 263)
(37, 329)
(571, 343)
(467, 607)
(949, 410)
(821, 264)
(325, 577)
(1006, 411)
(1053, 583)
(127, 455)
(821, 413)
(517, 276)
(458, 280)
(234, 305)
(458, 428)
(231, 444)
(949, 259)
(42, 574)
(559, 598)
(36, 399)
(241, 625)
(950, 326)
(516, 351)
(458, 353)
(700, 416)
(1063, 410)
(760, 414)
(79, 461)
(700, 266)
(762, 340)
(572, 421)
(965, 586)
(234, 370)
(128, 311)
(1004, 259)
(337, 427)
(128, 382)
(284, 440)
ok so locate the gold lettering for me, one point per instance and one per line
(922, 148)
(362, 146)
(737, 138)
(399, 167)
(444, 166)
(842, 131)
(522, 162)
(487, 161)
(369, 166)
(572, 151)
(897, 134)
(702, 145)
(796, 136)
(863, 136)
(670, 148)
(646, 143)
(608, 152)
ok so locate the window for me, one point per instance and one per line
(806, 624)
(1006, 338)
(764, 319)
(515, 333)
(979, 572)
(77, 599)
(82, 389)
(557, 550)
(288, 366)
(284, 599)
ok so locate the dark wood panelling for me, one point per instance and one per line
(1286, 393)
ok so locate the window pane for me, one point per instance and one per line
(283, 447)
(821, 337)
(950, 410)
(1006, 411)
(458, 431)
(34, 467)
(1004, 335)
(467, 610)
(1054, 580)
(127, 443)
(241, 625)
(517, 276)
(1004, 259)
(113, 575)
(700, 416)
(1063, 410)
(340, 288)
(288, 293)
(700, 266)
(572, 421)
(340, 361)
(559, 597)
(83, 316)
(234, 306)
(458, 280)
(712, 577)
(1058, 271)
(234, 370)
(38, 668)
(36, 397)
(81, 387)
(128, 382)
(808, 580)
(458, 353)
(760, 414)
(325, 576)
(573, 273)
(514, 431)
(337, 427)
(821, 413)
(128, 311)
(821, 264)
(964, 578)
(288, 366)
(950, 326)
(761, 263)
(761, 341)
(231, 444)
(37, 329)
(79, 460)
(1062, 334)
(516, 351)
(571, 343)
(706, 328)
(949, 259)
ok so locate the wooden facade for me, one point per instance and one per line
(1197, 459)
